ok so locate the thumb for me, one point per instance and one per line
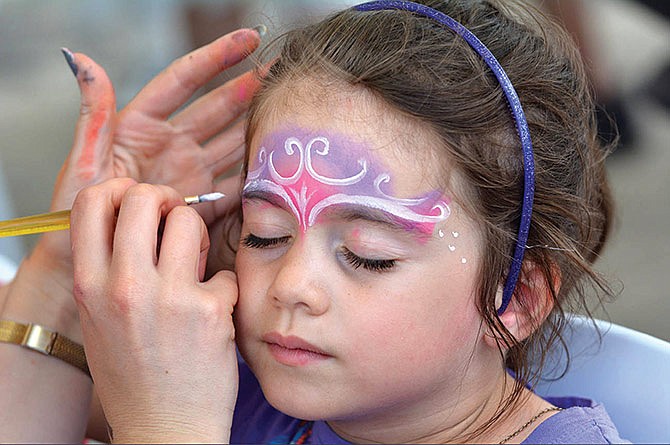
(224, 285)
(90, 159)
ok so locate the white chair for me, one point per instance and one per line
(628, 372)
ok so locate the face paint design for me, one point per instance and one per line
(313, 172)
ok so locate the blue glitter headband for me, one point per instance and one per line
(517, 114)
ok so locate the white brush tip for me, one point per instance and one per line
(209, 197)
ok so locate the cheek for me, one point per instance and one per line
(425, 328)
(252, 284)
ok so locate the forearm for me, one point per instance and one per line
(43, 398)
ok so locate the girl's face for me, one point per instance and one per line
(357, 276)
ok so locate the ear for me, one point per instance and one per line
(531, 304)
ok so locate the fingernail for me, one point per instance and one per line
(261, 30)
(69, 58)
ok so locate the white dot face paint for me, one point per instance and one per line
(441, 233)
(313, 171)
(455, 234)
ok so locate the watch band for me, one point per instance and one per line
(42, 340)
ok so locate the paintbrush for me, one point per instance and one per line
(49, 222)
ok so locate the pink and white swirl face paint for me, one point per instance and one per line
(311, 172)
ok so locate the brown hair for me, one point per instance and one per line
(426, 72)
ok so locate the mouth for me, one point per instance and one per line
(293, 351)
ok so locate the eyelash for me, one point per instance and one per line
(256, 242)
(366, 263)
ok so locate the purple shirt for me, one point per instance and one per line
(255, 421)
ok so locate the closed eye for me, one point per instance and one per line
(372, 265)
(256, 242)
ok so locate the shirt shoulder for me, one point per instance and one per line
(580, 421)
(254, 419)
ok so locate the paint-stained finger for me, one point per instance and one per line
(213, 112)
(177, 83)
(95, 127)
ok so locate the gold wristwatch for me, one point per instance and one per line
(42, 340)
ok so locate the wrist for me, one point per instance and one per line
(44, 341)
(176, 431)
(41, 293)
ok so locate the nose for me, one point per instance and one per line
(301, 282)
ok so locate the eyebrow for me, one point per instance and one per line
(380, 217)
(350, 213)
(260, 195)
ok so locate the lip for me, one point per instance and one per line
(293, 351)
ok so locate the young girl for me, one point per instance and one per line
(424, 197)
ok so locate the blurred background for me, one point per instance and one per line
(627, 43)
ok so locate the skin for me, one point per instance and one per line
(402, 353)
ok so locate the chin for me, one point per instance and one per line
(299, 404)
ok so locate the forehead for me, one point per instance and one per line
(350, 157)
(357, 126)
(314, 171)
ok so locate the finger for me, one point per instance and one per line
(226, 150)
(92, 222)
(89, 156)
(136, 234)
(185, 245)
(226, 232)
(176, 84)
(213, 112)
(95, 127)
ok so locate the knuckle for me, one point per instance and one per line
(121, 294)
(190, 224)
(88, 195)
(142, 195)
(83, 286)
(209, 309)
(185, 215)
(212, 314)
(224, 286)
(216, 316)
(177, 70)
(228, 280)
(142, 190)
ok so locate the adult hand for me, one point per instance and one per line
(148, 142)
(159, 340)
